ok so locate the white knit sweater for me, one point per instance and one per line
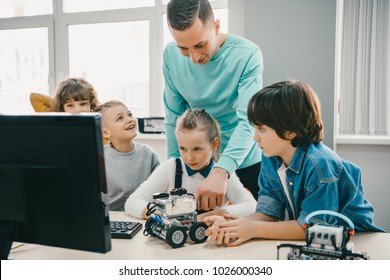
(163, 180)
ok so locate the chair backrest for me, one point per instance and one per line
(40, 102)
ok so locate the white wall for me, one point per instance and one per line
(297, 39)
(156, 141)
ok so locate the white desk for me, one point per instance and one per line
(377, 246)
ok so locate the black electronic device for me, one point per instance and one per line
(124, 229)
(152, 125)
(52, 180)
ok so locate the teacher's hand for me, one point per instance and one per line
(211, 192)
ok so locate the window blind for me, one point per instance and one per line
(364, 76)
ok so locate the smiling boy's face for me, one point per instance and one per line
(119, 124)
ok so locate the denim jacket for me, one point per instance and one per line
(317, 179)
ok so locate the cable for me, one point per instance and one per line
(151, 208)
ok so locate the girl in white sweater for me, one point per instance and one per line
(198, 137)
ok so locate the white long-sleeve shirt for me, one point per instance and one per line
(162, 179)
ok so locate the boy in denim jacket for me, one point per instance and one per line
(299, 174)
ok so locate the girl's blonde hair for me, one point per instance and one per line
(76, 89)
(201, 120)
(108, 104)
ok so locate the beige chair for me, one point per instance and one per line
(40, 102)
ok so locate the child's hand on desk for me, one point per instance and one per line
(232, 230)
(144, 214)
(214, 230)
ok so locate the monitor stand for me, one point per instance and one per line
(7, 234)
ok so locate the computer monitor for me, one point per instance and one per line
(52, 177)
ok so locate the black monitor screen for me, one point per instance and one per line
(52, 177)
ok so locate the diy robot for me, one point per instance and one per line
(173, 217)
(325, 242)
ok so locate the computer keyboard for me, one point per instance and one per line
(124, 229)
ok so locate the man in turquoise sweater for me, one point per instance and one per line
(204, 68)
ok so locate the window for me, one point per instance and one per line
(115, 56)
(24, 61)
(23, 8)
(116, 45)
(363, 73)
(72, 6)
